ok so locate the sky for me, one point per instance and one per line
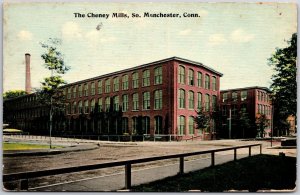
(235, 39)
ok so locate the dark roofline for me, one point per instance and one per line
(146, 65)
(244, 88)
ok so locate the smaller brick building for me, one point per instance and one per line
(252, 101)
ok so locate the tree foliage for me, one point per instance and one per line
(284, 86)
(13, 94)
(202, 119)
(261, 122)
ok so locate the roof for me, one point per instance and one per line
(246, 88)
(147, 65)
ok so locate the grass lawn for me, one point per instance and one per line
(260, 172)
(24, 146)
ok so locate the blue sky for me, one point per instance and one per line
(233, 38)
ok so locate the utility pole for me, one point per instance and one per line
(229, 123)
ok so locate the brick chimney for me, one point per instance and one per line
(27, 77)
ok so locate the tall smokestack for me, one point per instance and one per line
(28, 82)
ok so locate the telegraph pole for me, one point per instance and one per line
(229, 123)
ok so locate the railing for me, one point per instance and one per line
(24, 176)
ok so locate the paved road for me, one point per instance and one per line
(117, 181)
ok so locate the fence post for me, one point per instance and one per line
(181, 165)
(128, 176)
(249, 150)
(24, 184)
(234, 154)
(260, 149)
(212, 159)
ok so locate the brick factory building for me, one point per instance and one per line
(158, 98)
(253, 101)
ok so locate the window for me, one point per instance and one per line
(124, 124)
(234, 96)
(146, 124)
(199, 102)
(116, 103)
(107, 103)
(214, 83)
(243, 95)
(191, 100)
(146, 78)
(80, 107)
(244, 108)
(86, 106)
(135, 80)
(68, 110)
(181, 75)
(207, 81)
(207, 103)
(93, 88)
(135, 101)
(214, 102)
(146, 100)
(80, 90)
(224, 110)
(191, 125)
(181, 98)
(74, 92)
(125, 82)
(86, 87)
(100, 105)
(199, 79)
(158, 75)
(259, 95)
(191, 77)
(134, 124)
(158, 125)
(124, 103)
(181, 125)
(74, 108)
(99, 87)
(92, 105)
(107, 86)
(116, 84)
(158, 99)
(69, 93)
(225, 97)
(234, 110)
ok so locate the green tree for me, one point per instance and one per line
(284, 86)
(13, 94)
(244, 122)
(51, 93)
(261, 123)
(202, 119)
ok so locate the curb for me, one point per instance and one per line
(50, 152)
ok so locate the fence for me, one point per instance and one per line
(24, 176)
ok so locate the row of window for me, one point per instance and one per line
(264, 109)
(262, 96)
(191, 79)
(181, 126)
(200, 103)
(234, 96)
(105, 85)
(233, 109)
(89, 106)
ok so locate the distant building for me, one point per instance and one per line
(156, 98)
(253, 101)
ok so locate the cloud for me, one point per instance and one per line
(240, 36)
(71, 30)
(216, 39)
(185, 32)
(25, 35)
(94, 36)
